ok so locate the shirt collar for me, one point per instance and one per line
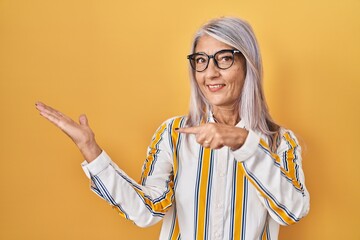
(211, 119)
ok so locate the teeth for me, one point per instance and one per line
(215, 86)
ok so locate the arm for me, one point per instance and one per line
(146, 202)
(143, 203)
(278, 177)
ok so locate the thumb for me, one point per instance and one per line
(83, 120)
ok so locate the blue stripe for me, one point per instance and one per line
(123, 211)
(158, 199)
(128, 180)
(112, 201)
(173, 221)
(102, 189)
(152, 166)
(295, 151)
(244, 207)
(99, 184)
(178, 145)
(278, 165)
(269, 154)
(197, 190)
(280, 218)
(232, 204)
(288, 212)
(284, 158)
(170, 135)
(208, 194)
(97, 191)
(268, 231)
(294, 161)
(157, 214)
(263, 231)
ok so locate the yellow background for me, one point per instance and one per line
(123, 64)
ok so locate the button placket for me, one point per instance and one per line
(221, 166)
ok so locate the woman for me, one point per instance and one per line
(225, 171)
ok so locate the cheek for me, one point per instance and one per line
(237, 83)
(199, 80)
(240, 85)
(198, 77)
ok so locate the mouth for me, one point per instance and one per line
(215, 87)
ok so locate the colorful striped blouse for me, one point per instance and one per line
(201, 193)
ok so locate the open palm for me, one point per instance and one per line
(80, 133)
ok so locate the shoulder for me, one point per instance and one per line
(288, 140)
(167, 130)
(174, 122)
(287, 134)
(170, 124)
(285, 140)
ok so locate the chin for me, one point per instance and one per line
(221, 103)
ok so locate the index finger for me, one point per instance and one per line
(188, 130)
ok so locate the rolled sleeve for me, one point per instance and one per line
(248, 148)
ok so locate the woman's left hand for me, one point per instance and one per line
(217, 135)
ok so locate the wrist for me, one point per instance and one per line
(90, 151)
(240, 138)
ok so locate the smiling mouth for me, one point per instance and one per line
(215, 87)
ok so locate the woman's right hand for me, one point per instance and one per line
(80, 133)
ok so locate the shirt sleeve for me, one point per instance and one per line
(144, 202)
(278, 177)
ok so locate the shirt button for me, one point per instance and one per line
(222, 174)
(217, 235)
(219, 205)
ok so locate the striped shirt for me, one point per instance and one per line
(202, 193)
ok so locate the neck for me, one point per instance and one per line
(228, 116)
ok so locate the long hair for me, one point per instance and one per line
(253, 108)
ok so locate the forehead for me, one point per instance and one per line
(210, 45)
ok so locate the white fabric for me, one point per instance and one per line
(213, 194)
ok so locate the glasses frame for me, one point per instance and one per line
(191, 56)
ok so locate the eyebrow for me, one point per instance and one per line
(215, 52)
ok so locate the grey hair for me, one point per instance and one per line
(253, 108)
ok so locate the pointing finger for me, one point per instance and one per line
(189, 130)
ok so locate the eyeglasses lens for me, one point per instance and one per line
(222, 59)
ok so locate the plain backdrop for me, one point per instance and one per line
(123, 63)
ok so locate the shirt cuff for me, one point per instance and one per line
(97, 165)
(248, 148)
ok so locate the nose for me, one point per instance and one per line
(212, 70)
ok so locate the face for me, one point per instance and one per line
(222, 88)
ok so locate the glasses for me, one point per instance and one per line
(223, 59)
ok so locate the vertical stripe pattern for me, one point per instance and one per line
(175, 144)
(239, 198)
(278, 209)
(173, 166)
(152, 154)
(203, 193)
(290, 169)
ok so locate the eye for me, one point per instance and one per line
(199, 59)
(225, 57)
